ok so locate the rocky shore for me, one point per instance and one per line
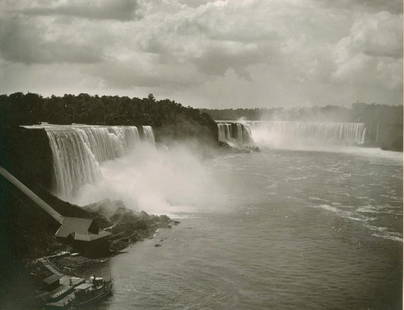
(28, 234)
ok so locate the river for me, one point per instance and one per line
(292, 229)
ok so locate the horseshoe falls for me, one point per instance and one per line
(292, 133)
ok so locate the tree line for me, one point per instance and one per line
(169, 118)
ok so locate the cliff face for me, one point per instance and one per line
(27, 155)
(387, 136)
(201, 130)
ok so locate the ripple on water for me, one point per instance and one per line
(357, 215)
(381, 209)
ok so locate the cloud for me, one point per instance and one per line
(211, 53)
(139, 73)
(213, 37)
(27, 42)
(373, 48)
(122, 10)
(377, 35)
(392, 6)
(217, 59)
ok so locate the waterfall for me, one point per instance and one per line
(78, 151)
(239, 136)
(234, 134)
(148, 134)
(289, 133)
(224, 132)
(74, 163)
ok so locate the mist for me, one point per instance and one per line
(304, 134)
(156, 179)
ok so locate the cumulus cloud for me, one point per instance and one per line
(135, 73)
(122, 10)
(372, 48)
(392, 6)
(27, 42)
(377, 35)
(213, 52)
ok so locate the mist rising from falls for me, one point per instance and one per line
(283, 133)
(158, 180)
(92, 163)
(294, 134)
(79, 150)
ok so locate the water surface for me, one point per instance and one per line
(292, 230)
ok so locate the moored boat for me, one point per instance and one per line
(92, 291)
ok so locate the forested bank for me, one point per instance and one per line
(384, 123)
(170, 120)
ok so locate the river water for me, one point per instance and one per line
(291, 230)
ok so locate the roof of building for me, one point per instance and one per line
(73, 225)
(79, 228)
(52, 279)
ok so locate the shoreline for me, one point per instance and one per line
(73, 268)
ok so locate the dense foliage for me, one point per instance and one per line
(384, 123)
(177, 121)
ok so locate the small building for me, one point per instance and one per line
(85, 235)
(82, 233)
(52, 282)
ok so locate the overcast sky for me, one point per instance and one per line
(235, 53)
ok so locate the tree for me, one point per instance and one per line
(151, 98)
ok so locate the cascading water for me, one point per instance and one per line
(224, 132)
(74, 163)
(148, 134)
(289, 133)
(78, 151)
(239, 136)
(234, 134)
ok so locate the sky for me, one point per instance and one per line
(206, 53)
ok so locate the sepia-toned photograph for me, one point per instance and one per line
(201, 154)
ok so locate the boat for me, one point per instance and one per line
(91, 291)
(63, 296)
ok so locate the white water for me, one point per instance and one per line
(148, 134)
(74, 163)
(288, 134)
(239, 137)
(292, 135)
(79, 150)
(92, 163)
(157, 180)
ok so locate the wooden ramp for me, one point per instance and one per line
(30, 194)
